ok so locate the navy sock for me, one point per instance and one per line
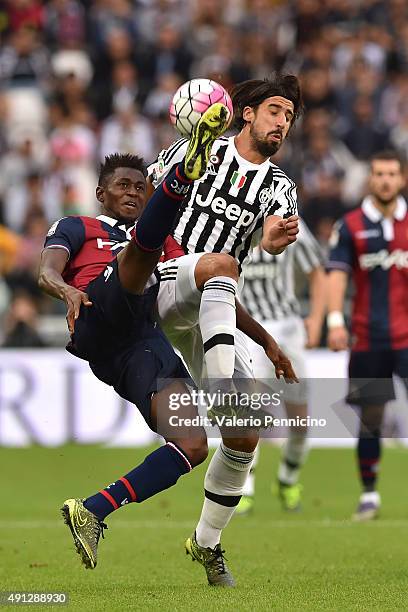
(158, 217)
(160, 470)
(368, 452)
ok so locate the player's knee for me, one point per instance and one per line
(196, 449)
(246, 444)
(225, 265)
(218, 264)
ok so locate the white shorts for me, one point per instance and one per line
(178, 308)
(290, 334)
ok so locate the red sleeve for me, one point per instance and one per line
(171, 249)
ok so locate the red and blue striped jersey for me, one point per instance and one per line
(375, 250)
(91, 245)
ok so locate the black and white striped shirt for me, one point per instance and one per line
(224, 211)
(269, 280)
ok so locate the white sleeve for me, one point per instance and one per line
(284, 202)
(166, 160)
(308, 253)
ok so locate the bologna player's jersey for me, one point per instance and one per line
(375, 250)
(91, 245)
(224, 211)
(269, 288)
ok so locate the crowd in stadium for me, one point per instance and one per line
(80, 80)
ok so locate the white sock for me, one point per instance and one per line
(372, 497)
(294, 455)
(223, 484)
(249, 486)
(217, 319)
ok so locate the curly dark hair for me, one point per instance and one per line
(120, 160)
(255, 91)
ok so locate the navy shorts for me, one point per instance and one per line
(122, 342)
(370, 374)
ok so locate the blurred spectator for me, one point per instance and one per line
(170, 53)
(82, 79)
(21, 323)
(126, 131)
(317, 90)
(124, 81)
(24, 61)
(64, 25)
(27, 257)
(9, 247)
(365, 137)
(158, 101)
(73, 145)
(25, 13)
(20, 180)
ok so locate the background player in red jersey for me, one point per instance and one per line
(372, 243)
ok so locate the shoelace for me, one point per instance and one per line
(99, 527)
(218, 559)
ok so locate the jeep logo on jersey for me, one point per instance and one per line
(233, 212)
(384, 260)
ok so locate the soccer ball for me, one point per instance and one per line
(192, 99)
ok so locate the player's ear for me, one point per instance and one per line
(100, 193)
(403, 178)
(248, 114)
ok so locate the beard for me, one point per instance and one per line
(385, 201)
(261, 143)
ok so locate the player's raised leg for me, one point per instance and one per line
(138, 260)
(216, 277)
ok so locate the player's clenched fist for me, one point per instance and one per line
(279, 233)
(338, 338)
(74, 298)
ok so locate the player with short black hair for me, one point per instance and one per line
(119, 160)
(371, 243)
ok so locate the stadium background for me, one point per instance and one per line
(79, 80)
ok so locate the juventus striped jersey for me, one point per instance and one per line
(224, 211)
(269, 287)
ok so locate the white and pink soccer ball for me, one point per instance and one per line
(192, 99)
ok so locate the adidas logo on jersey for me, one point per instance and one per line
(232, 212)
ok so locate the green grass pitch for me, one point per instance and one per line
(316, 560)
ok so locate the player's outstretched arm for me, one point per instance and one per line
(337, 337)
(318, 305)
(258, 334)
(53, 262)
(278, 233)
